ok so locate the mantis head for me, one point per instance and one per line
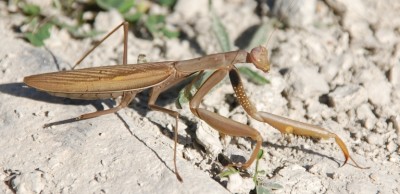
(259, 57)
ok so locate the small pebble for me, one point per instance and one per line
(378, 92)
(365, 114)
(348, 97)
(376, 139)
(391, 146)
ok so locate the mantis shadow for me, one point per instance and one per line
(19, 89)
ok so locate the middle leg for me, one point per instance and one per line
(155, 92)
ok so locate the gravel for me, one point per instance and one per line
(336, 65)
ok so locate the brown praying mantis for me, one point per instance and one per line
(127, 80)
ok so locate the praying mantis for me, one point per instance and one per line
(127, 80)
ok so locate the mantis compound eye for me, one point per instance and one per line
(259, 57)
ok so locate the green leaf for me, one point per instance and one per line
(220, 31)
(267, 188)
(181, 99)
(261, 35)
(167, 3)
(262, 190)
(30, 9)
(133, 17)
(272, 185)
(228, 172)
(154, 23)
(260, 154)
(37, 38)
(169, 34)
(155, 19)
(122, 6)
(186, 94)
(253, 76)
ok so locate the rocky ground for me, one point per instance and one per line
(336, 65)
